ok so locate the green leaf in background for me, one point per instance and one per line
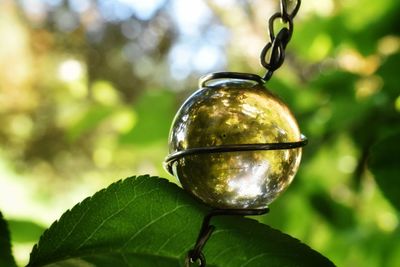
(155, 111)
(6, 258)
(24, 231)
(148, 221)
(334, 213)
(384, 164)
(91, 119)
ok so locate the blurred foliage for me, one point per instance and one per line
(386, 169)
(88, 89)
(24, 231)
(5, 253)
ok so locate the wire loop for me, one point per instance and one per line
(284, 8)
(271, 25)
(201, 259)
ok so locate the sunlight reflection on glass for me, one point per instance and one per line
(248, 182)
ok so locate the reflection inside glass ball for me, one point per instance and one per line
(231, 112)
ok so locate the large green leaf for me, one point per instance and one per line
(6, 258)
(148, 221)
(384, 164)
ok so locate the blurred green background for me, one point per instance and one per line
(88, 90)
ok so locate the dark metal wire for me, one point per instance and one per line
(277, 44)
(229, 75)
(285, 10)
(196, 254)
(169, 161)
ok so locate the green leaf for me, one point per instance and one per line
(334, 213)
(24, 231)
(91, 119)
(150, 128)
(6, 258)
(148, 221)
(384, 164)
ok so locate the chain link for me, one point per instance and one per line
(275, 48)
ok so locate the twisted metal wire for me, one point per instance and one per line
(278, 42)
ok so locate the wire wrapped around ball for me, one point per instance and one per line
(169, 161)
(203, 82)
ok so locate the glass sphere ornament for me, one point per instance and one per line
(233, 144)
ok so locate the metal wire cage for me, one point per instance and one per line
(212, 147)
(173, 157)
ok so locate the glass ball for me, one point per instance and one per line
(232, 112)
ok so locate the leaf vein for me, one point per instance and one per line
(73, 228)
(150, 223)
(111, 216)
(254, 258)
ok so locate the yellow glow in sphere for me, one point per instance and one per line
(230, 112)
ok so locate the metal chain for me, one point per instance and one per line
(275, 48)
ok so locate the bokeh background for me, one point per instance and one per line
(88, 89)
